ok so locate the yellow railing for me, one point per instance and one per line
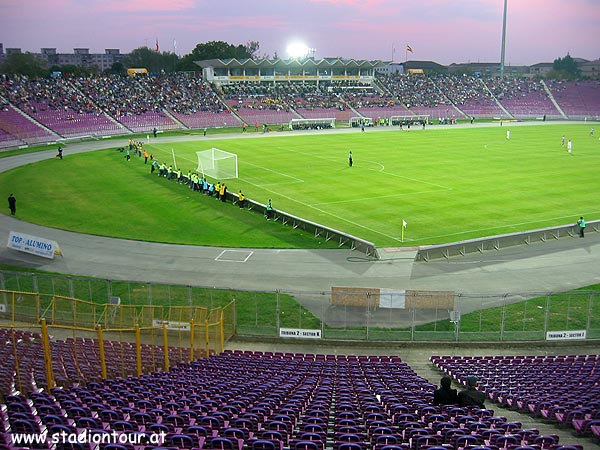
(188, 332)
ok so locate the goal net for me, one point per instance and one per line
(217, 164)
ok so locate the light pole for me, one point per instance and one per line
(503, 42)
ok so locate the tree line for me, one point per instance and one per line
(163, 62)
(31, 65)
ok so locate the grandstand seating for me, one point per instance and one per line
(110, 105)
(270, 401)
(16, 129)
(578, 99)
(524, 98)
(69, 124)
(75, 361)
(145, 122)
(571, 398)
(60, 106)
(470, 95)
(207, 119)
(263, 116)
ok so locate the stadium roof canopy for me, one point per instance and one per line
(265, 63)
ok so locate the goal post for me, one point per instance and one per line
(218, 164)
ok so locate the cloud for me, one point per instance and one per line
(361, 3)
(147, 5)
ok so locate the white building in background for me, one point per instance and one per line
(390, 68)
(80, 57)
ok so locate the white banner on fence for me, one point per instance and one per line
(392, 299)
(565, 335)
(176, 326)
(299, 333)
(33, 245)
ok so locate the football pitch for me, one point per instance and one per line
(447, 183)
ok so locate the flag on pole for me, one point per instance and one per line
(409, 48)
(404, 223)
(403, 228)
(157, 48)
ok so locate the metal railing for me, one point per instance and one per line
(462, 248)
(359, 315)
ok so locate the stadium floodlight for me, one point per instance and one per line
(217, 164)
(503, 51)
(297, 50)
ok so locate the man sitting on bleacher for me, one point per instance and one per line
(470, 396)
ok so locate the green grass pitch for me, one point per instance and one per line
(448, 184)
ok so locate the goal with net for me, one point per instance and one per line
(217, 164)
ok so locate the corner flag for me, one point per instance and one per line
(403, 228)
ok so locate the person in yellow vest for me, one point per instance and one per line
(223, 193)
(218, 189)
(241, 199)
(145, 157)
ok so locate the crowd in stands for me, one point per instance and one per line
(182, 93)
(47, 94)
(117, 96)
(118, 105)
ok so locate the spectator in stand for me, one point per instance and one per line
(445, 395)
(471, 396)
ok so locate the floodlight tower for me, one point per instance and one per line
(503, 42)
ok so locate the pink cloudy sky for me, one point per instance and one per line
(445, 31)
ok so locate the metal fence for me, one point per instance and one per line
(51, 340)
(351, 314)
